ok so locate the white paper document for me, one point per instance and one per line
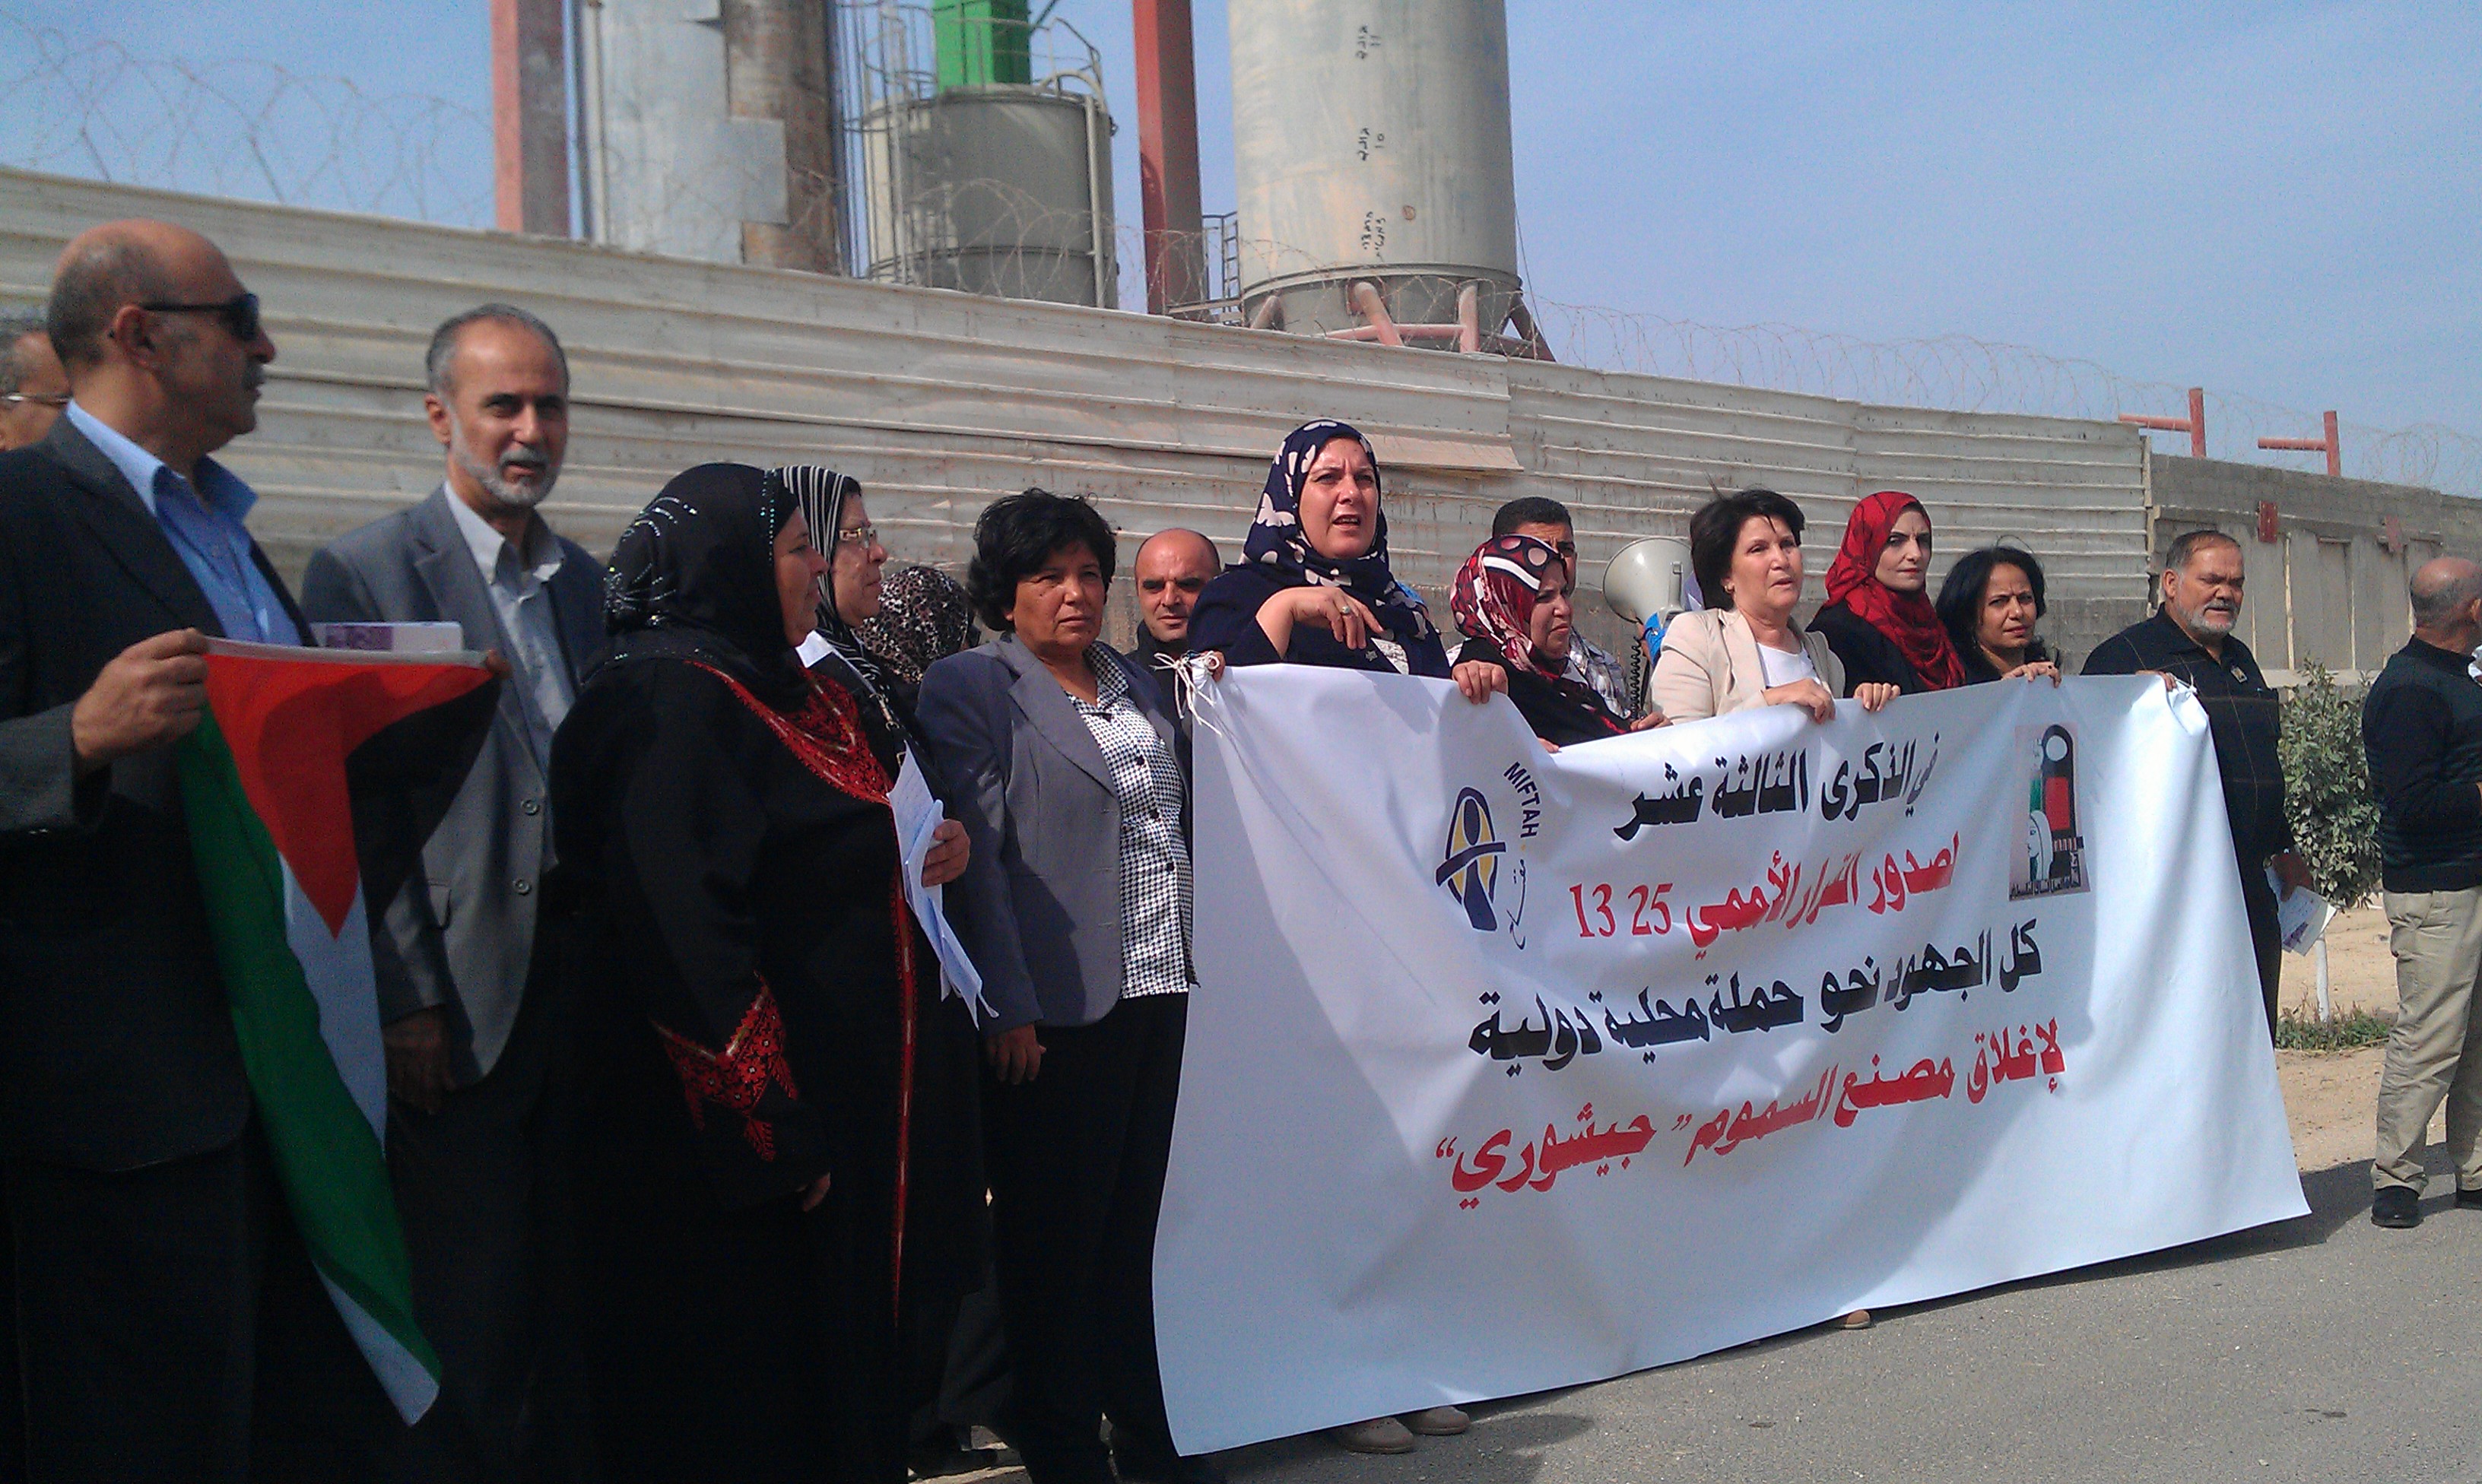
(918, 813)
(2300, 916)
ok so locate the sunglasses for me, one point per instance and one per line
(239, 314)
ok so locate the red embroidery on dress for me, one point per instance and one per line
(825, 734)
(739, 1075)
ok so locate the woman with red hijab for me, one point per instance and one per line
(1878, 618)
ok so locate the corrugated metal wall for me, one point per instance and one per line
(940, 401)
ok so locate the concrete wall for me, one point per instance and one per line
(2330, 588)
(938, 400)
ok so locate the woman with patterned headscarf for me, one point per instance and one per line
(860, 608)
(849, 594)
(1314, 585)
(924, 616)
(1511, 600)
(778, 1157)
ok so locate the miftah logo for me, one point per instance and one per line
(1470, 865)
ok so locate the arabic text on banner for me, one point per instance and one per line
(1510, 1070)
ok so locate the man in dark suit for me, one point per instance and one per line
(171, 1324)
(465, 992)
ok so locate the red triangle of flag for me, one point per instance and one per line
(291, 719)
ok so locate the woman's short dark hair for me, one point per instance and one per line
(1959, 597)
(1715, 532)
(1017, 535)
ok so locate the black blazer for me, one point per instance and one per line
(1868, 655)
(116, 1049)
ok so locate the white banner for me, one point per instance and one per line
(1510, 1070)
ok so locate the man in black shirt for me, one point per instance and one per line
(2190, 640)
(2421, 727)
(1173, 568)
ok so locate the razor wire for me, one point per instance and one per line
(94, 107)
(1966, 373)
(244, 128)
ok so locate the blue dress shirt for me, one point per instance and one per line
(204, 525)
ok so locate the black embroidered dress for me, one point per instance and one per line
(756, 1009)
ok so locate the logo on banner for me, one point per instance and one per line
(2052, 858)
(1469, 866)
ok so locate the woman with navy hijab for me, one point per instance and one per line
(1314, 587)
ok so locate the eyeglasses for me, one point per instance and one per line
(13, 398)
(238, 313)
(858, 535)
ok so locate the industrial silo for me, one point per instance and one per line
(991, 173)
(1371, 148)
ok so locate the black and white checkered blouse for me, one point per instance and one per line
(1154, 858)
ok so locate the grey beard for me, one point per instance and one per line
(488, 477)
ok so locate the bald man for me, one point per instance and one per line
(33, 386)
(1173, 568)
(2422, 729)
(162, 1277)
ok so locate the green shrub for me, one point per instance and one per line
(2327, 791)
(2295, 1031)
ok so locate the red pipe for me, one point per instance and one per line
(529, 119)
(1365, 298)
(1168, 154)
(2331, 446)
(1404, 332)
(2194, 424)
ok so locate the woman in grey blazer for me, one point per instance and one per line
(1060, 755)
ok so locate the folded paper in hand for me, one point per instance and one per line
(2300, 916)
(918, 814)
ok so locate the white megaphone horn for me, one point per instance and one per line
(1647, 580)
(1649, 584)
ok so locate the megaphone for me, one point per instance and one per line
(1649, 584)
(1647, 580)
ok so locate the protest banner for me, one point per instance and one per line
(1510, 1070)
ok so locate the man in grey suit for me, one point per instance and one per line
(465, 991)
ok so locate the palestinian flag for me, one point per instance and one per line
(272, 829)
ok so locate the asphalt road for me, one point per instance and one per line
(2316, 1350)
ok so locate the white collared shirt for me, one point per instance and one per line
(519, 584)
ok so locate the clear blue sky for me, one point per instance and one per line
(2282, 200)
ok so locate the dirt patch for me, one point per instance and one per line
(2361, 972)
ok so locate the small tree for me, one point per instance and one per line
(2327, 791)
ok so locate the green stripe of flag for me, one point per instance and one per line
(327, 1156)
